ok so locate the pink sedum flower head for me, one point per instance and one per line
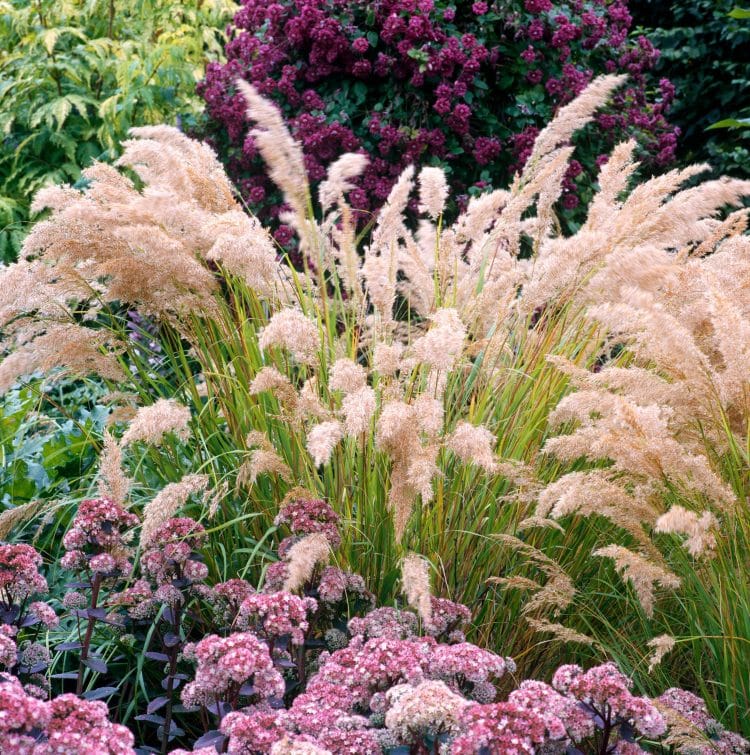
(19, 712)
(273, 615)
(335, 584)
(446, 619)
(170, 552)
(227, 663)
(310, 516)
(98, 522)
(255, 730)
(500, 729)
(468, 661)
(82, 726)
(19, 573)
(563, 716)
(607, 691)
(385, 622)
(44, 614)
(8, 648)
(98, 536)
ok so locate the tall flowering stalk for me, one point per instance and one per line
(96, 547)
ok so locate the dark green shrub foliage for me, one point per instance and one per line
(465, 86)
(705, 52)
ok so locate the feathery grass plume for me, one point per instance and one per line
(25, 287)
(637, 439)
(661, 646)
(282, 155)
(291, 330)
(442, 345)
(271, 380)
(347, 376)
(338, 180)
(594, 493)
(168, 501)
(642, 574)
(559, 631)
(397, 434)
(379, 268)
(322, 439)
(699, 530)
(247, 250)
(473, 445)
(11, 517)
(554, 596)
(433, 191)
(302, 558)
(113, 482)
(683, 735)
(386, 358)
(358, 409)
(151, 423)
(573, 116)
(263, 460)
(415, 584)
(64, 348)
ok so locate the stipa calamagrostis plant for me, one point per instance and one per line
(411, 382)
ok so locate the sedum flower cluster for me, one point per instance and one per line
(97, 540)
(66, 724)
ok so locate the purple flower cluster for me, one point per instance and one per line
(415, 82)
(67, 724)
(171, 552)
(307, 517)
(273, 615)
(96, 541)
(19, 574)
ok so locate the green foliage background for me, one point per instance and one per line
(705, 52)
(75, 75)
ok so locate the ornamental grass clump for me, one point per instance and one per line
(469, 392)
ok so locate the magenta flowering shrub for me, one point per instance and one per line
(466, 86)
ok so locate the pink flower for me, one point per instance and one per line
(19, 575)
(501, 728)
(276, 614)
(309, 516)
(8, 649)
(360, 45)
(224, 662)
(20, 712)
(102, 563)
(44, 613)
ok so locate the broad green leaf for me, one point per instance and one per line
(49, 39)
(60, 109)
(730, 123)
